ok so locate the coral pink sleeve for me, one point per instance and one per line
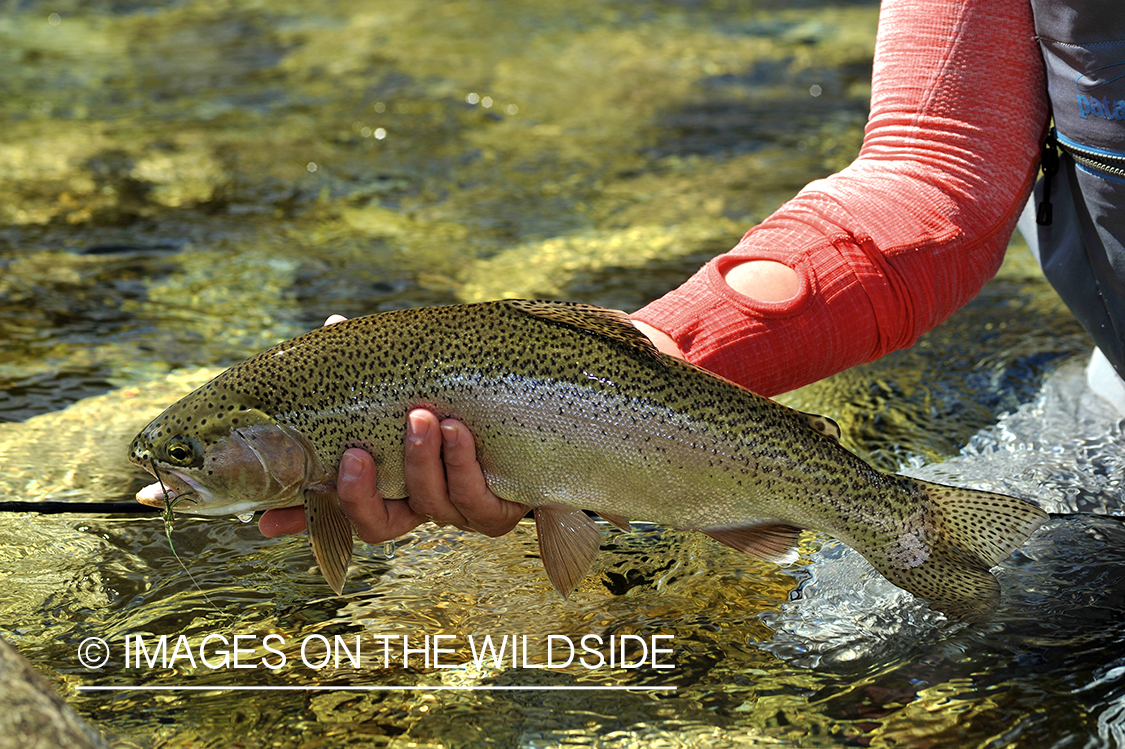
(894, 244)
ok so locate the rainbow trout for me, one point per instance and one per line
(572, 408)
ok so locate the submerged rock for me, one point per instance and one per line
(32, 714)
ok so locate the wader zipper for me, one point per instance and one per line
(1096, 160)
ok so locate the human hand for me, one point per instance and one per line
(444, 481)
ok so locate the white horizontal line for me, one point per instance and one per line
(481, 687)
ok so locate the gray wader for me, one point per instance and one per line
(1077, 230)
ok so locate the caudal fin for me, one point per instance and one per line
(967, 533)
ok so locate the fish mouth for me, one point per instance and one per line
(173, 487)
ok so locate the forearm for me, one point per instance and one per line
(909, 232)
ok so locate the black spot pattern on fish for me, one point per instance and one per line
(465, 361)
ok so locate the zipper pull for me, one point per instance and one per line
(1050, 164)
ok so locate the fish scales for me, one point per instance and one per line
(571, 407)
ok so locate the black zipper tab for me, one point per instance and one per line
(1044, 214)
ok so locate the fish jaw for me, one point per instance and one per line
(194, 501)
(175, 488)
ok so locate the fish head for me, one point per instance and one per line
(223, 460)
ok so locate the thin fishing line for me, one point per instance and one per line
(167, 516)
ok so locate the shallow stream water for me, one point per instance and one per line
(185, 183)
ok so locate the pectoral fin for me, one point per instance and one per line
(330, 533)
(772, 542)
(568, 542)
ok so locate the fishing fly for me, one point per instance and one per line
(169, 505)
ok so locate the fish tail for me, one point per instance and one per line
(964, 533)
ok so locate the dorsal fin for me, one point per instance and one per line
(610, 323)
(824, 425)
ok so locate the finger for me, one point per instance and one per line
(468, 490)
(375, 520)
(333, 319)
(663, 342)
(425, 472)
(282, 521)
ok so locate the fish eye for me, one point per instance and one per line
(180, 451)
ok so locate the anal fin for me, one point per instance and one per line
(330, 534)
(568, 543)
(771, 542)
